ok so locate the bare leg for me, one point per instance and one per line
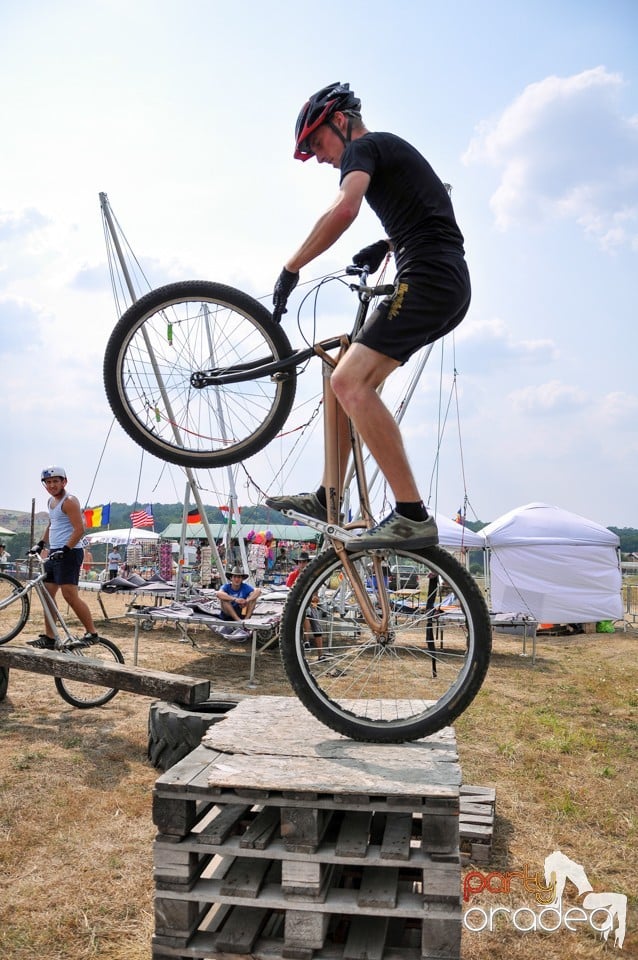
(50, 611)
(354, 383)
(80, 608)
(250, 606)
(229, 610)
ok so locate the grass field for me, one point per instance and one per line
(557, 740)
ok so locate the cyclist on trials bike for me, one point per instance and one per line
(431, 297)
(64, 533)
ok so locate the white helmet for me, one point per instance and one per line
(49, 472)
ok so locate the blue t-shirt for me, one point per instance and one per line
(242, 592)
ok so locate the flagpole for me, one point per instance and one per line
(106, 210)
(182, 544)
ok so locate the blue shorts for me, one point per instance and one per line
(66, 569)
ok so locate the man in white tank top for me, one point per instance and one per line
(61, 538)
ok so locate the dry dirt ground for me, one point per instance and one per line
(557, 740)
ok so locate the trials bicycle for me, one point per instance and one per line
(15, 607)
(199, 374)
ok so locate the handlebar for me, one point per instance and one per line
(365, 292)
(269, 367)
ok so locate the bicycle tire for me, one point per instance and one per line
(395, 688)
(179, 329)
(85, 695)
(13, 613)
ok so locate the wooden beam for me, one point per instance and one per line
(147, 683)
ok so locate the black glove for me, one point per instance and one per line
(59, 553)
(286, 283)
(372, 256)
(36, 549)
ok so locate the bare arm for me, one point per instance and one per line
(71, 507)
(334, 222)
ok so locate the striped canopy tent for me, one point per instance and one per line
(124, 535)
(280, 531)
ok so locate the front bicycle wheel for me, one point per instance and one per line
(183, 329)
(14, 610)
(82, 693)
(411, 681)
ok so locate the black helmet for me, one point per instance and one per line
(319, 109)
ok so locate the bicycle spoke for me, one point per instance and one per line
(406, 682)
(177, 333)
(14, 610)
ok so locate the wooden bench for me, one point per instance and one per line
(147, 683)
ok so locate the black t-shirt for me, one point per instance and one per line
(405, 193)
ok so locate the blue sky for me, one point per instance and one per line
(183, 114)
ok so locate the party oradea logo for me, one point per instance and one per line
(603, 912)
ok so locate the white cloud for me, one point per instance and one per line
(566, 151)
(487, 343)
(549, 398)
(20, 322)
(14, 225)
(620, 408)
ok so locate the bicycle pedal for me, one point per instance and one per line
(321, 526)
(79, 644)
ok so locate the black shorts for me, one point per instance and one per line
(431, 298)
(65, 569)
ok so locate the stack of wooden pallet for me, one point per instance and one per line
(280, 839)
(478, 806)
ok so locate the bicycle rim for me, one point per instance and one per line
(185, 328)
(412, 681)
(14, 612)
(82, 694)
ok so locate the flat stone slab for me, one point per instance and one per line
(274, 744)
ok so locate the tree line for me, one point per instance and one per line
(166, 513)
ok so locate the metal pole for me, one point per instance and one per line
(187, 470)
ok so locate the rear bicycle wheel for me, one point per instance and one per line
(179, 330)
(14, 611)
(82, 693)
(406, 684)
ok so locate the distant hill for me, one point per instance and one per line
(20, 521)
(165, 513)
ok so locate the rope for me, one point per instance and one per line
(99, 463)
(117, 279)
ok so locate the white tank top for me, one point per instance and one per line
(61, 527)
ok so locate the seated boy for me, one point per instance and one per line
(237, 598)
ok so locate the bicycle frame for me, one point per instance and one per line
(334, 489)
(52, 615)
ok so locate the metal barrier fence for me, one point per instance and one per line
(630, 591)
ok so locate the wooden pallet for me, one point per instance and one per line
(476, 823)
(335, 850)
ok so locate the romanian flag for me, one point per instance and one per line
(194, 516)
(97, 516)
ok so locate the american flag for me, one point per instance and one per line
(143, 518)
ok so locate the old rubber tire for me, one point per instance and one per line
(175, 730)
(4, 681)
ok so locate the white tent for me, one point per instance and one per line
(121, 536)
(554, 565)
(455, 535)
